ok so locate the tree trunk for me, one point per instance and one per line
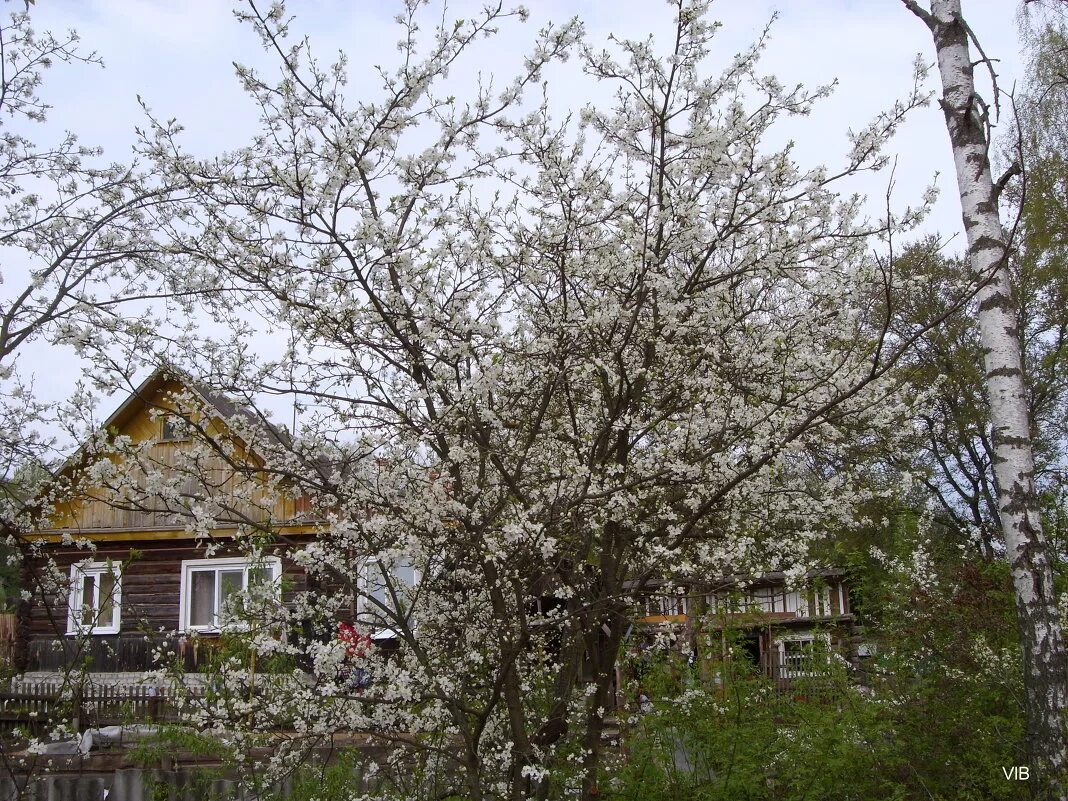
(1044, 661)
(604, 656)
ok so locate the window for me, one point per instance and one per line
(386, 597)
(212, 589)
(95, 593)
(822, 601)
(766, 599)
(666, 605)
(796, 603)
(796, 656)
(803, 655)
(843, 597)
(170, 431)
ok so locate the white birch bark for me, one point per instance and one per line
(1045, 666)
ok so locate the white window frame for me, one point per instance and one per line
(190, 566)
(79, 571)
(362, 602)
(821, 597)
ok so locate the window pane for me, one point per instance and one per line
(88, 600)
(794, 602)
(170, 429)
(202, 598)
(230, 585)
(797, 653)
(404, 585)
(106, 599)
(376, 588)
(258, 576)
(823, 602)
(405, 574)
(765, 599)
(378, 607)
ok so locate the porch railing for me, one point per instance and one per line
(120, 653)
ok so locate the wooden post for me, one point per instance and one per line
(153, 704)
(76, 701)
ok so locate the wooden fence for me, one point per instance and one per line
(40, 706)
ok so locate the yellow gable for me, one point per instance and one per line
(183, 472)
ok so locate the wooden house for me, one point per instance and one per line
(774, 627)
(158, 576)
(154, 575)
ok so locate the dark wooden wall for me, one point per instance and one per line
(151, 580)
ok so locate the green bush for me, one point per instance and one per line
(941, 717)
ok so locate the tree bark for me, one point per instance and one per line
(1044, 661)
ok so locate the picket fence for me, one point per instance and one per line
(36, 707)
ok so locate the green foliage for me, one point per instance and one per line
(170, 740)
(334, 780)
(1041, 133)
(231, 648)
(159, 751)
(9, 578)
(16, 491)
(936, 714)
(739, 738)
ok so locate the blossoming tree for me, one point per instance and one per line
(80, 259)
(542, 361)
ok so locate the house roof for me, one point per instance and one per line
(226, 408)
(217, 406)
(142, 396)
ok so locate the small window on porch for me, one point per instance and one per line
(803, 655)
(95, 595)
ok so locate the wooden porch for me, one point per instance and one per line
(118, 653)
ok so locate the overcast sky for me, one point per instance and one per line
(178, 55)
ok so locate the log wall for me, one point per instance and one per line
(151, 580)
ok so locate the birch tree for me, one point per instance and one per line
(967, 121)
(954, 453)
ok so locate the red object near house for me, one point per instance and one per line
(356, 644)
